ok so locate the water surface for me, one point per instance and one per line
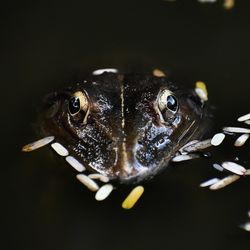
(51, 45)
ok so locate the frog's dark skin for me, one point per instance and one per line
(125, 135)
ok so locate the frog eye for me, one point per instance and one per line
(74, 105)
(172, 103)
(168, 102)
(78, 102)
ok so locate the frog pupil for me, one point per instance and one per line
(172, 103)
(74, 105)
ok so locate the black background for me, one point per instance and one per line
(49, 45)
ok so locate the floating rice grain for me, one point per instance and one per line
(207, 1)
(247, 122)
(217, 139)
(60, 149)
(180, 158)
(236, 130)
(133, 197)
(224, 182)
(75, 163)
(246, 226)
(244, 118)
(234, 167)
(228, 4)
(158, 73)
(247, 172)
(181, 150)
(38, 144)
(209, 182)
(248, 213)
(99, 177)
(104, 192)
(100, 71)
(89, 183)
(218, 167)
(201, 90)
(198, 146)
(241, 140)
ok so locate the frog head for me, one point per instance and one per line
(124, 126)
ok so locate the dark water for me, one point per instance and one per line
(49, 45)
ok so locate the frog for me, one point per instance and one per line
(125, 126)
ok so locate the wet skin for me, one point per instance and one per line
(125, 126)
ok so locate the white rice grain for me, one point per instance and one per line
(198, 146)
(207, 1)
(201, 94)
(244, 118)
(104, 192)
(241, 140)
(209, 182)
(38, 144)
(60, 149)
(247, 122)
(100, 71)
(234, 167)
(247, 172)
(236, 130)
(217, 139)
(246, 226)
(181, 150)
(224, 182)
(180, 158)
(75, 163)
(100, 177)
(89, 183)
(201, 90)
(218, 167)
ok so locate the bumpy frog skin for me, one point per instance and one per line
(124, 126)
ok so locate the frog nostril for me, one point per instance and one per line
(109, 142)
(139, 142)
(160, 142)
